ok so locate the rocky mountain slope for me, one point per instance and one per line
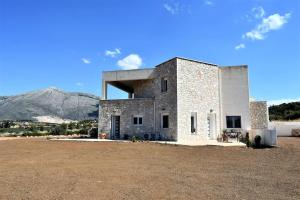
(50, 102)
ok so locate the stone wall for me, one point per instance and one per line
(126, 109)
(259, 115)
(197, 91)
(161, 103)
(166, 102)
(144, 89)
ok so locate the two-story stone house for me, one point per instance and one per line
(180, 100)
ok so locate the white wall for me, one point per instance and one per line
(284, 128)
(235, 94)
(269, 137)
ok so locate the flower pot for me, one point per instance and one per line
(102, 135)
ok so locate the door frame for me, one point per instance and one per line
(212, 126)
(113, 126)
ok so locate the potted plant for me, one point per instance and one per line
(224, 136)
(102, 135)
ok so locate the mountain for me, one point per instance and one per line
(285, 111)
(51, 103)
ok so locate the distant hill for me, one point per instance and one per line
(285, 111)
(51, 103)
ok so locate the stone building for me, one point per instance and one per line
(180, 100)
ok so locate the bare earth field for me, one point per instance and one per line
(42, 169)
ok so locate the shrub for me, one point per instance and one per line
(83, 131)
(32, 134)
(247, 140)
(257, 141)
(57, 130)
(133, 139)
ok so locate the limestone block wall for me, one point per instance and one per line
(235, 94)
(197, 91)
(126, 109)
(259, 115)
(166, 102)
(144, 89)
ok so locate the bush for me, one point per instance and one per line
(33, 134)
(247, 140)
(257, 141)
(84, 132)
(133, 139)
(57, 130)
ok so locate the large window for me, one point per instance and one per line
(233, 121)
(164, 84)
(165, 121)
(137, 120)
(193, 122)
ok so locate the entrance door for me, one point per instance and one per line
(211, 126)
(115, 126)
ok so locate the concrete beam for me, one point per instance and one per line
(126, 75)
(121, 86)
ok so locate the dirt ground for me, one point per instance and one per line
(43, 169)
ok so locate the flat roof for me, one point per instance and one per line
(197, 61)
(125, 75)
(148, 70)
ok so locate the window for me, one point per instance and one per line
(164, 84)
(233, 121)
(137, 120)
(165, 121)
(193, 122)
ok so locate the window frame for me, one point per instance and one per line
(164, 84)
(232, 120)
(138, 118)
(193, 123)
(162, 120)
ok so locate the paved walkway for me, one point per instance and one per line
(196, 143)
(205, 143)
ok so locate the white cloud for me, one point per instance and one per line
(273, 22)
(173, 9)
(85, 61)
(240, 46)
(132, 61)
(281, 101)
(258, 12)
(113, 53)
(79, 84)
(208, 3)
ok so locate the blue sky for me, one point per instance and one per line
(67, 43)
